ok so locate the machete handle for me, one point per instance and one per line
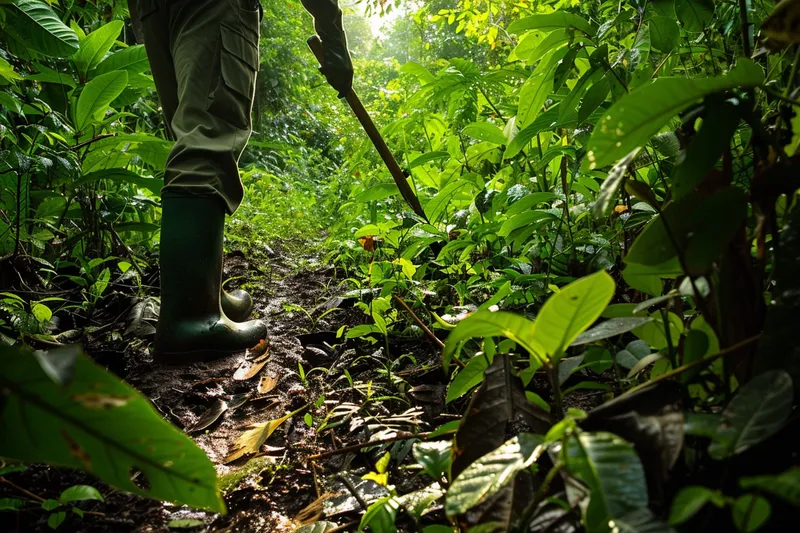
(315, 44)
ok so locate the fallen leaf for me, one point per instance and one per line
(238, 400)
(259, 350)
(251, 440)
(267, 383)
(210, 416)
(248, 370)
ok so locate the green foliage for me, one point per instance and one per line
(80, 416)
(568, 156)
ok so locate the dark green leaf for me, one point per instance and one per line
(694, 14)
(95, 47)
(42, 30)
(706, 148)
(99, 424)
(97, 95)
(487, 475)
(612, 471)
(688, 502)
(756, 413)
(468, 377)
(750, 512)
(785, 485)
(664, 33)
(552, 21)
(641, 114)
(78, 493)
(701, 229)
(434, 457)
(132, 59)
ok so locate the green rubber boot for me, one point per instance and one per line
(237, 305)
(192, 326)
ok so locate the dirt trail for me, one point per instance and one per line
(262, 495)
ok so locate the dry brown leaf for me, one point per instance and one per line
(210, 416)
(251, 440)
(267, 383)
(259, 351)
(248, 370)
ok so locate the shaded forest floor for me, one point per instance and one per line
(347, 393)
(267, 491)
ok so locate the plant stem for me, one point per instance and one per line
(745, 28)
(706, 360)
(552, 375)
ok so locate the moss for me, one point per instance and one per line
(255, 466)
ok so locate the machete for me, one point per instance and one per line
(366, 122)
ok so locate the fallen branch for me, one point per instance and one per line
(369, 444)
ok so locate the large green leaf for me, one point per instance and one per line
(95, 47)
(694, 14)
(664, 33)
(437, 205)
(133, 59)
(785, 485)
(483, 131)
(499, 405)
(488, 324)
(709, 144)
(94, 422)
(756, 413)
(641, 114)
(467, 378)
(97, 95)
(532, 96)
(120, 175)
(552, 21)
(42, 30)
(611, 469)
(493, 471)
(568, 313)
(700, 228)
(689, 501)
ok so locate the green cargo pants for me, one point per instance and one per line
(204, 59)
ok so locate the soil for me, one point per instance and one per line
(266, 493)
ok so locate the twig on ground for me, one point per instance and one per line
(360, 445)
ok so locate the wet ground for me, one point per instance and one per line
(267, 491)
(346, 393)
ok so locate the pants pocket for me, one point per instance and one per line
(232, 98)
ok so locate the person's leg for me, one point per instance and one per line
(216, 46)
(201, 183)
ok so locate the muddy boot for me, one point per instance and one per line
(237, 305)
(192, 326)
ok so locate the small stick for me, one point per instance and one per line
(353, 491)
(706, 360)
(356, 447)
(421, 324)
(344, 527)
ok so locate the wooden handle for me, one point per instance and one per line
(315, 44)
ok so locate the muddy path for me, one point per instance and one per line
(344, 393)
(266, 491)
